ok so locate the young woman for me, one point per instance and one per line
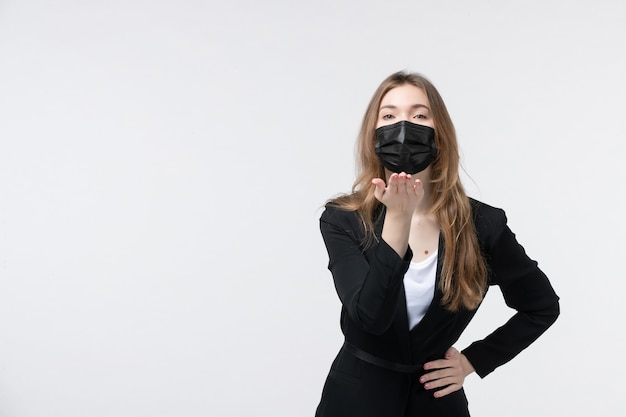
(412, 257)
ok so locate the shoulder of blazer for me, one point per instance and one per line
(345, 219)
(349, 221)
(489, 222)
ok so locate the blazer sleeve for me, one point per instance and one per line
(526, 289)
(368, 282)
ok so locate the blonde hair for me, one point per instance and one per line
(464, 273)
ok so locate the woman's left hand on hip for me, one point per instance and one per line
(449, 372)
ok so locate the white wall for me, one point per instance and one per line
(163, 164)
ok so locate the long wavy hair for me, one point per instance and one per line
(464, 274)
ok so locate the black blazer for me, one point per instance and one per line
(369, 282)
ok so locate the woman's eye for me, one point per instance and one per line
(387, 117)
(420, 116)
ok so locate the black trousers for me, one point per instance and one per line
(355, 388)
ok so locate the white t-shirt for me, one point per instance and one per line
(419, 288)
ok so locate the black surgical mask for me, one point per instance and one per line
(405, 147)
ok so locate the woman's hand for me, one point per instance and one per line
(449, 372)
(401, 195)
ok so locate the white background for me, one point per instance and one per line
(163, 164)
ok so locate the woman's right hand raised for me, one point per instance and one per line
(401, 196)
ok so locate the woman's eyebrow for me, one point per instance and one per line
(414, 106)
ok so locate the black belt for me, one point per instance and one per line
(383, 363)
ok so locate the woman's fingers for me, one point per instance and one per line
(447, 373)
(447, 390)
(393, 183)
(451, 356)
(431, 377)
(401, 183)
(418, 188)
(400, 193)
(379, 191)
(407, 185)
(441, 382)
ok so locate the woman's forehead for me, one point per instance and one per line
(406, 95)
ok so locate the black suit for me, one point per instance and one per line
(369, 283)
